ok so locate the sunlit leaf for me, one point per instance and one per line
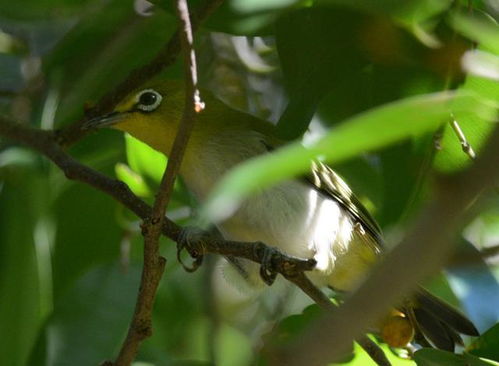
(479, 27)
(368, 131)
(133, 180)
(144, 160)
(481, 63)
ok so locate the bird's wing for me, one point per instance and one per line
(326, 181)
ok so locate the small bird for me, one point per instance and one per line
(316, 216)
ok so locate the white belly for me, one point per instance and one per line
(303, 222)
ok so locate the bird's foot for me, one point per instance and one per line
(268, 271)
(191, 239)
(274, 261)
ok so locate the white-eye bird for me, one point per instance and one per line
(313, 217)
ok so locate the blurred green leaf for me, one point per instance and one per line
(479, 27)
(232, 347)
(91, 319)
(133, 180)
(144, 160)
(293, 325)
(371, 130)
(435, 357)
(20, 308)
(487, 345)
(253, 17)
(11, 44)
(87, 233)
(248, 6)
(17, 156)
(481, 63)
(311, 69)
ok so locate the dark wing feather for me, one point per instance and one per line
(325, 180)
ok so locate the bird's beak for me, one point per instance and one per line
(104, 121)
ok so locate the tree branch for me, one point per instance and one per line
(154, 265)
(422, 252)
(290, 267)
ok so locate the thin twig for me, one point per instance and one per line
(153, 267)
(165, 57)
(422, 252)
(467, 148)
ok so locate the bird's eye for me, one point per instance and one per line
(148, 100)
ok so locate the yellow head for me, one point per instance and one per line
(151, 114)
(221, 137)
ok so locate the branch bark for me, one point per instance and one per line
(153, 267)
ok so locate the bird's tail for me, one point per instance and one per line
(438, 323)
(428, 321)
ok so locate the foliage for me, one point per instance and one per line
(373, 82)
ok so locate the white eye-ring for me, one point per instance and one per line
(148, 100)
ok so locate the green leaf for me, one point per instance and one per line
(479, 27)
(254, 6)
(478, 361)
(436, 357)
(331, 59)
(11, 44)
(144, 160)
(487, 345)
(20, 283)
(367, 131)
(293, 325)
(249, 17)
(133, 180)
(81, 244)
(91, 319)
